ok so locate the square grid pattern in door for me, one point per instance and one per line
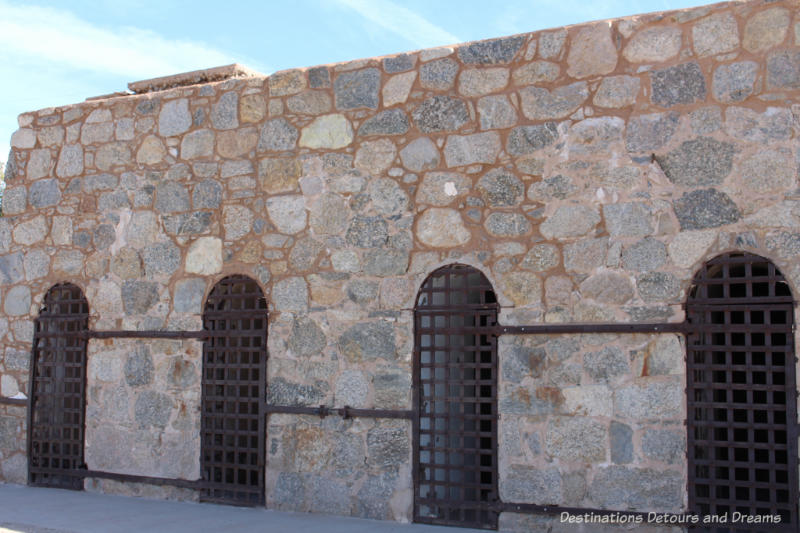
(58, 390)
(456, 444)
(234, 381)
(742, 437)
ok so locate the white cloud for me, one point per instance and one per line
(42, 34)
(401, 21)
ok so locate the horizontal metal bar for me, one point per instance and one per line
(544, 329)
(344, 412)
(13, 401)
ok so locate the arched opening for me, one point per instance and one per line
(455, 369)
(742, 419)
(234, 381)
(58, 390)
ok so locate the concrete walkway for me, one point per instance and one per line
(40, 510)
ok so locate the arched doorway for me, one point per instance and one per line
(233, 387)
(58, 390)
(455, 369)
(742, 418)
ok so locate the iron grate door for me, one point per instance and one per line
(455, 448)
(58, 399)
(742, 419)
(234, 381)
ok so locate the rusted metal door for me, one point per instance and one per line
(234, 380)
(455, 425)
(742, 418)
(58, 390)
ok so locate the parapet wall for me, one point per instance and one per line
(588, 172)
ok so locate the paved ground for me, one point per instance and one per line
(40, 510)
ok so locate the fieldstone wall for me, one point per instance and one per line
(588, 171)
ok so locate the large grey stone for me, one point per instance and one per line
(40, 163)
(358, 88)
(649, 400)
(608, 287)
(783, 69)
(620, 487)
(647, 133)
(715, 34)
(500, 188)
(351, 389)
(628, 219)
(388, 122)
(171, 197)
(524, 483)
(206, 195)
(391, 389)
(570, 221)
(774, 124)
(621, 440)
(307, 338)
(420, 154)
(277, 135)
(388, 198)
(644, 255)
(161, 258)
(520, 362)
(367, 232)
(17, 301)
(329, 496)
(440, 113)
(70, 161)
(496, 112)
(304, 254)
(468, 149)
(387, 447)
(104, 236)
(554, 187)
(658, 286)
(502, 224)
(527, 139)
(189, 295)
(385, 262)
(443, 188)
(288, 213)
(617, 91)
(375, 495)
(109, 201)
(37, 264)
(606, 365)
(224, 114)
(493, 51)
(138, 296)
(681, 84)
(705, 208)
(539, 103)
(174, 118)
(9, 427)
(99, 182)
(14, 200)
(576, 439)
(699, 163)
(329, 214)
(442, 228)
(11, 268)
(664, 445)
(734, 82)
(439, 74)
(237, 221)
(193, 223)
(139, 366)
(283, 392)
(367, 341)
(541, 257)
(152, 409)
(399, 63)
(291, 295)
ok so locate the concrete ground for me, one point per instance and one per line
(40, 510)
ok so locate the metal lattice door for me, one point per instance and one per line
(742, 419)
(455, 448)
(58, 399)
(234, 380)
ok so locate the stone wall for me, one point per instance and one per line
(587, 171)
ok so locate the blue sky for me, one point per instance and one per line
(61, 52)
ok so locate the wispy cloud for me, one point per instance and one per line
(43, 34)
(401, 21)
